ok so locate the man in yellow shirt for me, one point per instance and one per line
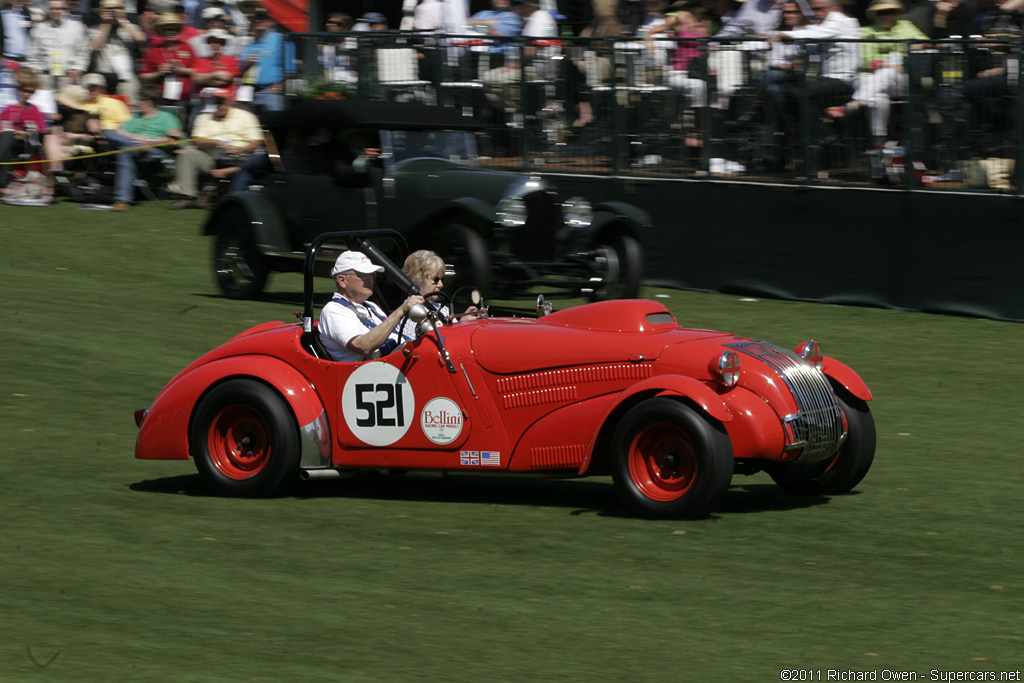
(224, 137)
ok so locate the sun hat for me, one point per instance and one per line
(882, 5)
(213, 13)
(355, 260)
(111, 4)
(74, 96)
(168, 19)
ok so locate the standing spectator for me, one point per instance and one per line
(227, 136)
(22, 124)
(337, 55)
(883, 75)
(169, 62)
(18, 18)
(429, 16)
(58, 48)
(201, 17)
(150, 126)
(990, 85)
(216, 20)
(219, 70)
(265, 63)
(941, 19)
(116, 43)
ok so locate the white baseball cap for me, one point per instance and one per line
(355, 260)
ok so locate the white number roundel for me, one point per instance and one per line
(378, 404)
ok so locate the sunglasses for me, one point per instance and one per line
(28, 90)
(436, 280)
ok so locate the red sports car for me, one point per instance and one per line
(616, 387)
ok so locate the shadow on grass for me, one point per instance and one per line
(577, 496)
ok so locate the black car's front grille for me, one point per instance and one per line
(535, 241)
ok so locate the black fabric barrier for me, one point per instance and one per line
(920, 251)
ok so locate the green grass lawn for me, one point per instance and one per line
(118, 569)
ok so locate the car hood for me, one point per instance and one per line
(439, 179)
(605, 332)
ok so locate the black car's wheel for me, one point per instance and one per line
(851, 463)
(466, 252)
(670, 461)
(621, 266)
(241, 270)
(244, 439)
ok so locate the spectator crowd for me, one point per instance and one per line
(117, 76)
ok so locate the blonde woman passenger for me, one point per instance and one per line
(426, 270)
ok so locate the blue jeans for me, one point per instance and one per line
(127, 168)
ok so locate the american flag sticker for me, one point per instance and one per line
(469, 457)
(492, 458)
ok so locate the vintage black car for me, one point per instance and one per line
(507, 234)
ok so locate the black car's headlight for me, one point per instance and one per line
(511, 212)
(576, 212)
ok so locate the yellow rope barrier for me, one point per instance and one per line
(100, 154)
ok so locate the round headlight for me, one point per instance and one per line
(727, 369)
(811, 350)
(511, 212)
(576, 212)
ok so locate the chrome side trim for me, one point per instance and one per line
(818, 425)
(315, 443)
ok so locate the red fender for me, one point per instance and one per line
(668, 385)
(846, 377)
(163, 434)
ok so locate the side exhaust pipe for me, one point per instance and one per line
(325, 473)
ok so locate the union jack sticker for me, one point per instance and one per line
(469, 457)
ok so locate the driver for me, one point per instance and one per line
(352, 327)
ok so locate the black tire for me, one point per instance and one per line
(465, 250)
(240, 268)
(670, 461)
(850, 464)
(622, 262)
(244, 439)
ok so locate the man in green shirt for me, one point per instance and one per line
(151, 126)
(882, 74)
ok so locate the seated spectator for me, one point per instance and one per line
(150, 126)
(58, 48)
(224, 137)
(207, 10)
(883, 76)
(22, 124)
(116, 44)
(993, 81)
(684, 21)
(169, 62)
(351, 326)
(429, 16)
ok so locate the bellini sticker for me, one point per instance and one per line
(441, 420)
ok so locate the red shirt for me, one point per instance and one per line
(18, 115)
(225, 63)
(167, 52)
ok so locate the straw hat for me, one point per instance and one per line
(165, 20)
(882, 5)
(74, 96)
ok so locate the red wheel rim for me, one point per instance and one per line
(239, 442)
(663, 462)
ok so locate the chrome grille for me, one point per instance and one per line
(818, 425)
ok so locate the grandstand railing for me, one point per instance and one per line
(696, 108)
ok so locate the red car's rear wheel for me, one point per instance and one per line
(244, 439)
(670, 461)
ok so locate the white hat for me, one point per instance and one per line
(213, 12)
(94, 79)
(218, 34)
(355, 260)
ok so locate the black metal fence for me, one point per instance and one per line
(942, 115)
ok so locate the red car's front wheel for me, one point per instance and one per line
(244, 439)
(670, 461)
